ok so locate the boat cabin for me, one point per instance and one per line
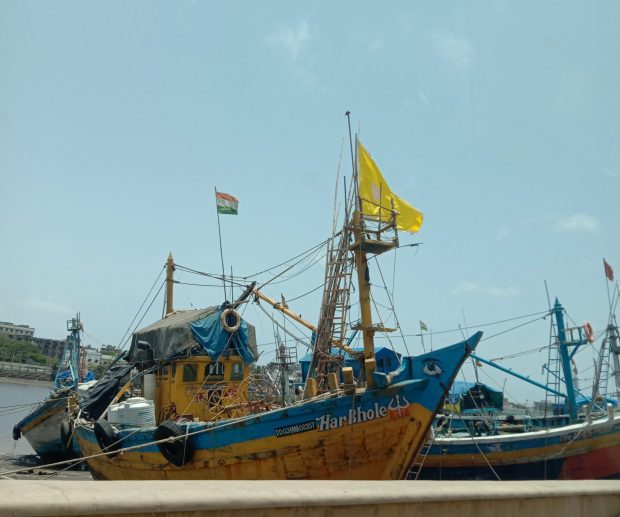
(194, 366)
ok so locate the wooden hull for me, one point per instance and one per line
(579, 451)
(373, 434)
(41, 428)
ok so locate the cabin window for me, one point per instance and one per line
(214, 371)
(190, 372)
(237, 372)
(380, 364)
(164, 372)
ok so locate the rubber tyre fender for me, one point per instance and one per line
(107, 438)
(179, 452)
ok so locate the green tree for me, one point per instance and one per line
(15, 351)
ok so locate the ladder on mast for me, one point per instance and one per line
(335, 306)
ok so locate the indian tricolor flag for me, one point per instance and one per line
(226, 204)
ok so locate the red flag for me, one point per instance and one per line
(609, 273)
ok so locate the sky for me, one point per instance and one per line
(500, 121)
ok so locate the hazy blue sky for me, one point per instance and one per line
(499, 120)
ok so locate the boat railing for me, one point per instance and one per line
(378, 235)
(574, 335)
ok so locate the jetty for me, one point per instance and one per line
(310, 498)
(25, 371)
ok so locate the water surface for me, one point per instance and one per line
(16, 401)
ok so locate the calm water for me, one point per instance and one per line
(17, 395)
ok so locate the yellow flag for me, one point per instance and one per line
(378, 198)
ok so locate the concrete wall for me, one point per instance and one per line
(311, 498)
(26, 371)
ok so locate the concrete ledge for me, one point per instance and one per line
(310, 498)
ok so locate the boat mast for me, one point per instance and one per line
(363, 277)
(71, 354)
(368, 240)
(361, 264)
(614, 349)
(565, 358)
(169, 284)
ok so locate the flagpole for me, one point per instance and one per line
(219, 231)
(605, 266)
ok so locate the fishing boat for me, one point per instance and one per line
(585, 446)
(191, 409)
(46, 427)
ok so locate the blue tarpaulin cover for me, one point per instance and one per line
(462, 391)
(179, 332)
(210, 334)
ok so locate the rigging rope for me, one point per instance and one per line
(299, 340)
(142, 305)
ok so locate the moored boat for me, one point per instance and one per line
(45, 428)
(196, 412)
(587, 447)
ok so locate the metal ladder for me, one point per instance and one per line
(335, 306)
(553, 367)
(420, 458)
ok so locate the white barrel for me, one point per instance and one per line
(136, 412)
(83, 387)
(113, 414)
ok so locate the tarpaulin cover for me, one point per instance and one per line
(210, 334)
(182, 331)
(475, 395)
(98, 398)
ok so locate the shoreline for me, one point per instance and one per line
(31, 382)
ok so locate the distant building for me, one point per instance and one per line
(109, 353)
(50, 347)
(92, 355)
(17, 332)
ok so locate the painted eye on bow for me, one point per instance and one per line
(432, 369)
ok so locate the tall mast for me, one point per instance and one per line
(565, 358)
(363, 280)
(169, 284)
(369, 236)
(361, 261)
(614, 349)
(71, 353)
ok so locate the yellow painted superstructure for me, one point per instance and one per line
(198, 387)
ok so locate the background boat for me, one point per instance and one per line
(587, 447)
(46, 427)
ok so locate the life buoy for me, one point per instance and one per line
(107, 438)
(587, 328)
(224, 319)
(178, 451)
